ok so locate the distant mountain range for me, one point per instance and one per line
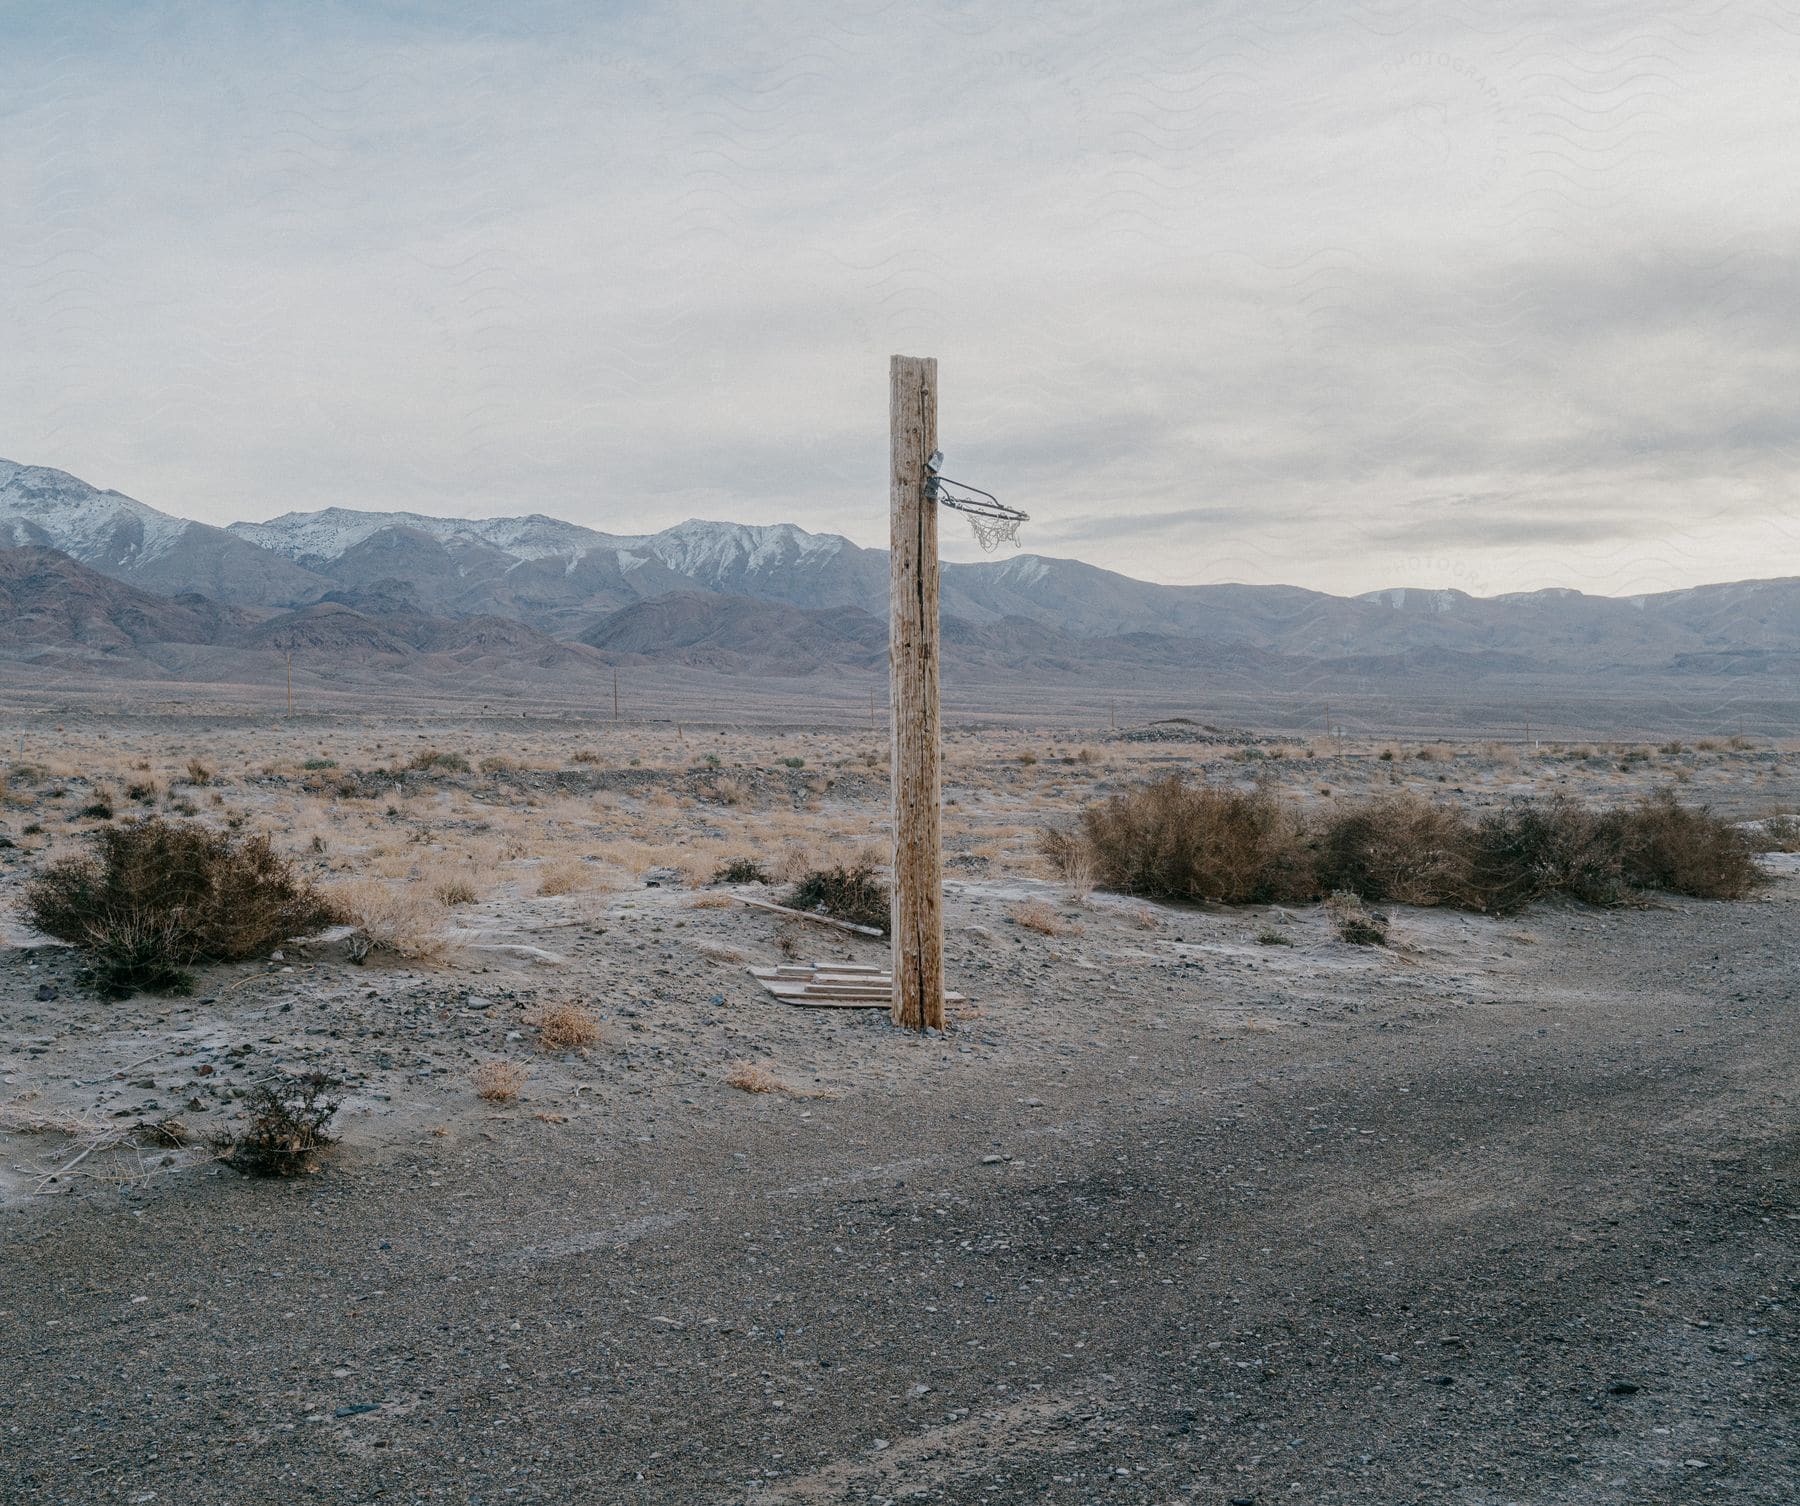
(56, 611)
(778, 600)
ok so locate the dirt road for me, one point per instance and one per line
(1536, 1244)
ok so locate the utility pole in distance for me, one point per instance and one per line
(913, 652)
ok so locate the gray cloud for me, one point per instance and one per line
(1217, 294)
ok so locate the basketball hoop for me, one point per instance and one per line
(993, 522)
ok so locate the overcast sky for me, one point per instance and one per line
(1344, 296)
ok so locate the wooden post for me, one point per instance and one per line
(290, 684)
(615, 695)
(918, 906)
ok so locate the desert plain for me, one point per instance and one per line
(1186, 1203)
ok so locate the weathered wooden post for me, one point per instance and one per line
(918, 902)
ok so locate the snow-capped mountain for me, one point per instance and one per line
(318, 538)
(53, 509)
(542, 568)
(128, 540)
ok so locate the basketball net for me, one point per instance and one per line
(991, 533)
(991, 520)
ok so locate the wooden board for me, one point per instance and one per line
(830, 985)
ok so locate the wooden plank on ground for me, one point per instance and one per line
(831, 985)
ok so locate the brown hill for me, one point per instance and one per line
(48, 600)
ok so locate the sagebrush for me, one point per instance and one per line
(1174, 839)
(156, 898)
(1179, 840)
(286, 1129)
(851, 893)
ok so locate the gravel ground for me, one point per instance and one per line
(1506, 1215)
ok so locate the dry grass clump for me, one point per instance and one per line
(732, 791)
(452, 889)
(155, 898)
(749, 1077)
(565, 1027)
(565, 876)
(498, 1081)
(1077, 870)
(431, 761)
(852, 893)
(286, 1130)
(1182, 841)
(405, 921)
(1036, 915)
(792, 863)
(1355, 922)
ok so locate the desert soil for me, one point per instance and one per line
(1504, 1213)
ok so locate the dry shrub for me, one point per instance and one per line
(452, 889)
(1685, 850)
(156, 897)
(710, 902)
(198, 773)
(430, 760)
(1777, 834)
(1532, 849)
(1397, 847)
(498, 1081)
(1355, 922)
(854, 894)
(1036, 915)
(1173, 839)
(404, 922)
(565, 1027)
(286, 1129)
(732, 791)
(740, 871)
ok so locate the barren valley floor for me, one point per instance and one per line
(1503, 1213)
